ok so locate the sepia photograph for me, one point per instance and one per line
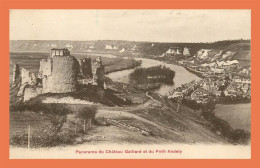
(129, 84)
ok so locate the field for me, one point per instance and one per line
(49, 124)
(19, 122)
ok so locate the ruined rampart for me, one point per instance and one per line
(26, 76)
(85, 69)
(98, 70)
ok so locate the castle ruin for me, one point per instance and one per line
(85, 68)
(59, 73)
(98, 70)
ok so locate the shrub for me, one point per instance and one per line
(61, 130)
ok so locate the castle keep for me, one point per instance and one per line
(59, 73)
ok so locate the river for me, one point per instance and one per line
(181, 75)
(237, 115)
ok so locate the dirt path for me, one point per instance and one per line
(107, 114)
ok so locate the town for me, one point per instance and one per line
(222, 81)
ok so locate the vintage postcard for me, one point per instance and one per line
(130, 84)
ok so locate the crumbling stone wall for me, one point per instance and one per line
(26, 76)
(45, 68)
(21, 89)
(85, 69)
(63, 78)
(98, 70)
(31, 92)
(23, 78)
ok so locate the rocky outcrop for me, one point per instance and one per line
(227, 54)
(203, 53)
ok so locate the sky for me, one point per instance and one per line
(132, 25)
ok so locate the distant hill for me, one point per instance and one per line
(241, 49)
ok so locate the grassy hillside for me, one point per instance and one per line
(159, 121)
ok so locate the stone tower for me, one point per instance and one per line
(59, 72)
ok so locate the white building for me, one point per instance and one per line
(173, 51)
(176, 95)
(170, 51)
(108, 47)
(122, 50)
(115, 48)
(186, 51)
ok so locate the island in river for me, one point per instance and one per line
(152, 77)
(158, 74)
